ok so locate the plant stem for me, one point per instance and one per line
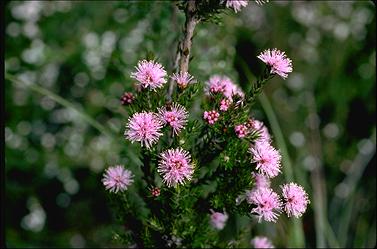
(184, 46)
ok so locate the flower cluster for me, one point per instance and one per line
(127, 98)
(241, 130)
(211, 116)
(176, 166)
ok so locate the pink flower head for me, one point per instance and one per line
(236, 4)
(224, 104)
(175, 166)
(260, 181)
(267, 203)
(295, 199)
(231, 88)
(117, 178)
(127, 98)
(280, 64)
(174, 115)
(211, 116)
(258, 126)
(144, 127)
(218, 219)
(149, 74)
(182, 79)
(267, 158)
(224, 85)
(215, 85)
(241, 130)
(261, 242)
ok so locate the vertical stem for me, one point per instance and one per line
(184, 47)
(317, 177)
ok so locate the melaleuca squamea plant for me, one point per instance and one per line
(183, 150)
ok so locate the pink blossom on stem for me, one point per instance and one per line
(241, 130)
(211, 116)
(218, 219)
(224, 85)
(144, 127)
(174, 115)
(267, 158)
(261, 242)
(237, 5)
(280, 64)
(182, 79)
(117, 178)
(295, 199)
(175, 167)
(127, 98)
(267, 203)
(149, 74)
(224, 104)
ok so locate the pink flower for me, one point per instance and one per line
(182, 79)
(262, 130)
(117, 178)
(224, 104)
(296, 199)
(267, 204)
(224, 85)
(260, 181)
(149, 74)
(144, 127)
(267, 159)
(230, 88)
(280, 64)
(236, 4)
(127, 98)
(175, 166)
(211, 117)
(175, 116)
(218, 219)
(261, 242)
(241, 130)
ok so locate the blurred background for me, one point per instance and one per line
(67, 64)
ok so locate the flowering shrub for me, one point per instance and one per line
(169, 204)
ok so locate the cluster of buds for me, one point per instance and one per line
(127, 98)
(241, 130)
(224, 104)
(155, 191)
(211, 116)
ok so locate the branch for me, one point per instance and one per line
(184, 46)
